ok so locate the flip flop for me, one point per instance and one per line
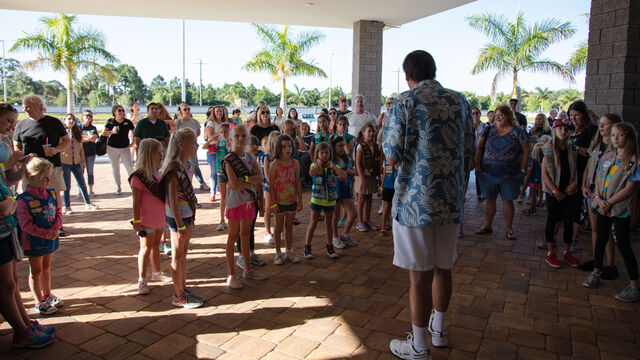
(483, 230)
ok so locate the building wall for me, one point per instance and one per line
(367, 63)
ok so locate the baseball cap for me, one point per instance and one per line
(563, 122)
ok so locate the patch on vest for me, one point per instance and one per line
(34, 204)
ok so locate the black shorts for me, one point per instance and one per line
(320, 208)
(291, 208)
(387, 194)
(6, 252)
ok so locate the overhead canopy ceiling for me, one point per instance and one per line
(327, 13)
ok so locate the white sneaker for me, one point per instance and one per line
(91, 207)
(67, 211)
(143, 288)
(289, 255)
(160, 276)
(268, 239)
(118, 191)
(279, 259)
(404, 350)
(337, 243)
(220, 226)
(438, 338)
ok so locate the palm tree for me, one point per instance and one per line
(516, 46)
(63, 48)
(298, 96)
(578, 60)
(109, 74)
(542, 95)
(282, 55)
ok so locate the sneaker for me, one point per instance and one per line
(371, 226)
(165, 248)
(629, 294)
(268, 239)
(575, 246)
(569, 259)
(67, 211)
(347, 240)
(53, 300)
(362, 227)
(220, 226)
(32, 338)
(592, 280)
(290, 256)
(253, 275)
(45, 308)
(160, 276)
(404, 349)
(204, 187)
(380, 210)
(212, 198)
(307, 252)
(438, 338)
(279, 259)
(45, 329)
(91, 206)
(256, 260)
(552, 260)
(240, 262)
(520, 199)
(588, 266)
(119, 192)
(186, 301)
(542, 245)
(341, 221)
(143, 288)
(337, 243)
(233, 282)
(194, 295)
(91, 193)
(609, 273)
(330, 253)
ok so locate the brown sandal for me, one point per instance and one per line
(483, 230)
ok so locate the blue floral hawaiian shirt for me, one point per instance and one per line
(429, 132)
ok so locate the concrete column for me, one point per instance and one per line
(613, 66)
(367, 63)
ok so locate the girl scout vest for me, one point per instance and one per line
(43, 212)
(371, 159)
(617, 182)
(325, 186)
(554, 173)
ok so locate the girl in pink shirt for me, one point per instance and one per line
(149, 220)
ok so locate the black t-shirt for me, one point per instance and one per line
(339, 112)
(564, 169)
(121, 139)
(260, 132)
(33, 134)
(521, 119)
(583, 140)
(89, 146)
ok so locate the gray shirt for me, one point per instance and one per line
(357, 121)
(192, 124)
(236, 198)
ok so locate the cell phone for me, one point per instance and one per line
(141, 233)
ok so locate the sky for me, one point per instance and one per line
(153, 46)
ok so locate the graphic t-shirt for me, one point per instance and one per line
(390, 175)
(285, 182)
(89, 146)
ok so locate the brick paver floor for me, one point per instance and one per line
(507, 302)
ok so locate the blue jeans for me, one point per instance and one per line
(91, 160)
(211, 159)
(196, 169)
(77, 173)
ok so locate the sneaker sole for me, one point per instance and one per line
(552, 265)
(186, 306)
(38, 346)
(626, 300)
(570, 264)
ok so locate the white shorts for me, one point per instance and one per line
(423, 248)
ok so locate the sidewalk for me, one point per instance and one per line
(507, 302)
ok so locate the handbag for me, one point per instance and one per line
(101, 145)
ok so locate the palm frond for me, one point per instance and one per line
(550, 67)
(578, 60)
(491, 57)
(491, 25)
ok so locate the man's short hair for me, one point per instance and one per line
(553, 111)
(364, 99)
(419, 65)
(513, 99)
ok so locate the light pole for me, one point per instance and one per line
(398, 81)
(330, 78)
(4, 78)
(201, 63)
(184, 87)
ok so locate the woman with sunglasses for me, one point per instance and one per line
(89, 137)
(333, 123)
(118, 145)
(264, 127)
(383, 116)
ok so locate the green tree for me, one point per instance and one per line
(64, 48)
(517, 46)
(130, 82)
(266, 95)
(109, 75)
(578, 60)
(282, 55)
(297, 96)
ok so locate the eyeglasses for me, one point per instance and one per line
(475, 113)
(332, 112)
(186, 109)
(265, 112)
(121, 110)
(89, 115)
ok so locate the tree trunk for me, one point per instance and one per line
(515, 92)
(283, 99)
(70, 100)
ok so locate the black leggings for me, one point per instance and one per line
(251, 237)
(621, 230)
(559, 211)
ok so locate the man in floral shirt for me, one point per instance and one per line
(428, 135)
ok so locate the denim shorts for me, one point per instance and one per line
(171, 222)
(320, 208)
(508, 187)
(222, 179)
(150, 230)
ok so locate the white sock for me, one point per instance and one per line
(420, 338)
(438, 320)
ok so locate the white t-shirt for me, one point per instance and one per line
(357, 121)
